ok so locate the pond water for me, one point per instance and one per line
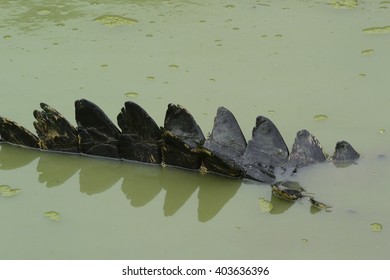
(287, 60)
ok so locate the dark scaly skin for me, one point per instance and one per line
(96, 143)
(182, 138)
(266, 152)
(306, 150)
(54, 131)
(89, 115)
(98, 135)
(13, 133)
(181, 141)
(223, 149)
(141, 138)
(344, 154)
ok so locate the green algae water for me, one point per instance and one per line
(321, 66)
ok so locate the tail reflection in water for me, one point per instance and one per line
(141, 183)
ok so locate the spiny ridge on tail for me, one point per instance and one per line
(180, 142)
(223, 149)
(141, 137)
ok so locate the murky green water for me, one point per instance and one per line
(292, 61)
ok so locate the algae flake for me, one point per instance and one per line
(367, 52)
(377, 30)
(347, 4)
(320, 117)
(52, 215)
(376, 227)
(114, 20)
(265, 205)
(7, 191)
(131, 94)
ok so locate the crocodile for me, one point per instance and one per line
(180, 142)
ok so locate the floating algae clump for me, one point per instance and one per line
(7, 191)
(377, 30)
(112, 20)
(349, 4)
(320, 117)
(52, 215)
(376, 227)
(367, 52)
(265, 205)
(131, 94)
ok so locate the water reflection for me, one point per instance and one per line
(52, 173)
(213, 196)
(97, 177)
(280, 205)
(179, 189)
(14, 157)
(140, 184)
